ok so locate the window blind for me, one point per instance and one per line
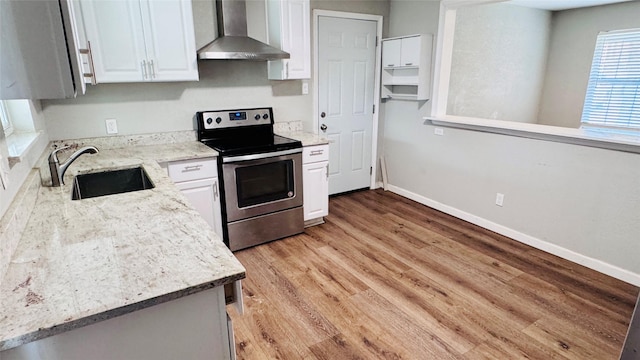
(613, 93)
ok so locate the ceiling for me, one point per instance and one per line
(562, 4)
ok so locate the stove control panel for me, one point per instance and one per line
(235, 118)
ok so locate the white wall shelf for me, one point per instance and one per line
(406, 67)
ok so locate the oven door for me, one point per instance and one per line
(259, 184)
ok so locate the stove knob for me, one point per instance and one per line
(265, 116)
(209, 121)
(218, 120)
(257, 117)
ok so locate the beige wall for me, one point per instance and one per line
(572, 43)
(498, 62)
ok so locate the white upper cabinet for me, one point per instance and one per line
(141, 40)
(410, 51)
(401, 52)
(391, 53)
(38, 51)
(406, 63)
(290, 31)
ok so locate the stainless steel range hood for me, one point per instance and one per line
(234, 43)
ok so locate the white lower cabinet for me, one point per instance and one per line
(190, 327)
(198, 181)
(315, 178)
(205, 197)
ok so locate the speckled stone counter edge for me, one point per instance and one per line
(109, 314)
(14, 221)
(115, 142)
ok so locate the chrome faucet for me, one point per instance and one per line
(58, 170)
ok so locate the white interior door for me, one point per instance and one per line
(346, 83)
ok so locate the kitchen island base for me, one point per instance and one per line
(191, 327)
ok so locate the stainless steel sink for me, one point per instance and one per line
(110, 182)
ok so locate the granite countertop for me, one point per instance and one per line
(307, 138)
(80, 262)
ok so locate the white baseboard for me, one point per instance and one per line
(595, 264)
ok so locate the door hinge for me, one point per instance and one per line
(374, 108)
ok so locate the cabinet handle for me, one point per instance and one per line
(215, 190)
(144, 69)
(153, 69)
(287, 69)
(191, 168)
(316, 152)
(390, 65)
(327, 171)
(92, 72)
(408, 64)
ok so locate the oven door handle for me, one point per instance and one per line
(232, 159)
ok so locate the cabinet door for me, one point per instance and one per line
(391, 53)
(289, 30)
(74, 29)
(34, 62)
(410, 51)
(114, 29)
(204, 197)
(170, 40)
(315, 190)
(298, 66)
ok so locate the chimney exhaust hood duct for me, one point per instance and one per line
(234, 43)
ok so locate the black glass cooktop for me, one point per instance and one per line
(252, 145)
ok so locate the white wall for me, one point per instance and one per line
(578, 201)
(573, 41)
(498, 62)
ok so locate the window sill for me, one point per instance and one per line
(585, 137)
(19, 145)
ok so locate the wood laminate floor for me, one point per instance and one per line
(388, 278)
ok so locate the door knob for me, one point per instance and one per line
(322, 114)
(323, 127)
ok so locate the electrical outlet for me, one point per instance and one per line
(499, 199)
(112, 126)
(438, 131)
(305, 88)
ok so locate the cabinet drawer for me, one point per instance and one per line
(311, 154)
(192, 169)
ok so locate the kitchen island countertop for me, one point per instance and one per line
(83, 261)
